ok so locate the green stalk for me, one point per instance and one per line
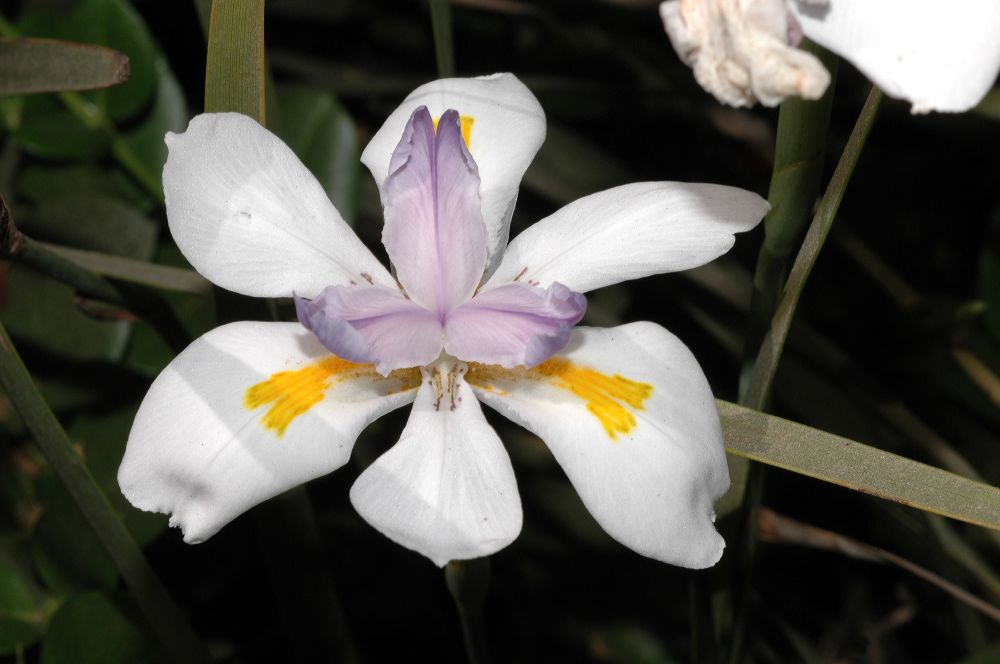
(800, 149)
(444, 52)
(164, 617)
(799, 153)
(758, 387)
(762, 375)
(468, 582)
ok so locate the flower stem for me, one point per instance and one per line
(800, 149)
(758, 386)
(762, 375)
(468, 581)
(444, 52)
(165, 618)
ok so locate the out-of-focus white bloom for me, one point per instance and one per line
(939, 56)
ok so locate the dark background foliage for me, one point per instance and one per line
(905, 293)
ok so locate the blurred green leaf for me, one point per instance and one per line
(43, 311)
(67, 555)
(169, 113)
(21, 617)
(116, 24)
(42, 182)
(30, 65)
(825, 456)
(93, 222)
(102, 438)
(47, 129)
(92, 629)
(324, 136)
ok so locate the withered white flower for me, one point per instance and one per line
(940, 56)
(252, 409)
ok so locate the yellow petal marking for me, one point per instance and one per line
(467, 122)
(292, 393)
(611, 399)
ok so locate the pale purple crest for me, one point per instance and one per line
(514, 324)
(435, 236)
(372, 324)
(434, 230)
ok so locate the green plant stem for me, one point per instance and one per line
(762, 375)
(165, 618)
(757, 388)
(444, 52)
(799, 156)
(468, 581)
(800, 148)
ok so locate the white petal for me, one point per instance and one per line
(446, 489)
(941, 56)
(629, 416)
(508, 127)
(204, 450)
(251, 218)
(629, 232)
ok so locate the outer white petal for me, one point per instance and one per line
(652, 488)
(198, 453)
(446, 489)
(251, 218)
(629, 232)
(507, 129)
(941, 56)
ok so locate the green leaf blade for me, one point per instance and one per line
(234, 72)
(825, 456)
